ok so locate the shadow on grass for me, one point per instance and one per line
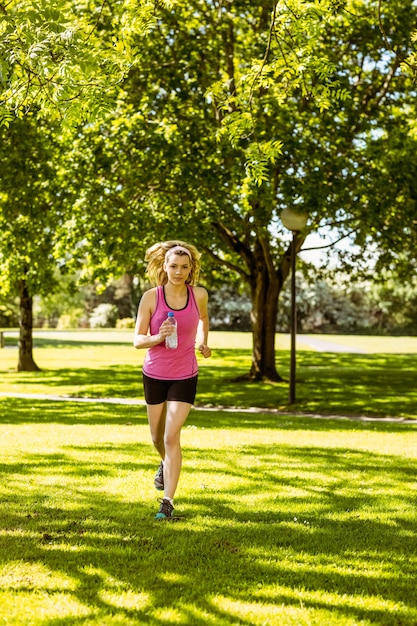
(113, 381)
(326, 382)
(323, 533)
(27, 411)
(375, 385)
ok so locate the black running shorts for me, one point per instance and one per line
(158, 391)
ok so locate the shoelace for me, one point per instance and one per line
(166, 507)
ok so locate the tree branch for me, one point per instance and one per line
(233, 242)
(333, 243)
(387, 42)
(231, 266)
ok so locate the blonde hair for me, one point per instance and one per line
(157, 254)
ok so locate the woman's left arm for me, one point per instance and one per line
(201, 297)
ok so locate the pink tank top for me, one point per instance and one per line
(180, 363)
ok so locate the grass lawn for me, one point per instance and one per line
(104, 364)
(287, 520)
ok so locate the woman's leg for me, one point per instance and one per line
(156, 419)
(176, 414)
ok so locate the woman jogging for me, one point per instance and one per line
(170, 375)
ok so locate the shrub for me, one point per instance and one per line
(73, 319)
(126, 322)
(104, 316)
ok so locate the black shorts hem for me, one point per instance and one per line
(158, 391)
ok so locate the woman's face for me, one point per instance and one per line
(178, 268)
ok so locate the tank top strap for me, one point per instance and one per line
(192, 297)
(159, 296)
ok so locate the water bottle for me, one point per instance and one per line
(171, 341)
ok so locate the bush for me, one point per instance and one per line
(229, 310)
(73, 319)
(104, 316)
(126, 322)
(9, 318)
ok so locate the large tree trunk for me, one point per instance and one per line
(265, 289)
(266, 286)
(26, 362)
(266, 278)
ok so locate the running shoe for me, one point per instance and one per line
(165, 510)
(159, 478)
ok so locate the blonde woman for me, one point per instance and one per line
(170, 375)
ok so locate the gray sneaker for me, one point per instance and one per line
(165, 510)
(159, 477)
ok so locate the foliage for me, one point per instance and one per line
(104, 316)
(332, 303)
(220, 118)
(306, 100)
(285, 64)
(325, 306)
(66, 304)
(395, 306)
(30, 205)
(126, 322)
(65, 59)
(329, 304)
(9, 313)
(340, 305)
(229, 310)
(32, 215)
(74, 319)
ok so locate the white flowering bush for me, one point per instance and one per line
(104, 316)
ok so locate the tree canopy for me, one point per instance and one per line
(66, 58)
(204, 120)
(234, 113)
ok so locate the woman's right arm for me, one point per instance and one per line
(142, 338)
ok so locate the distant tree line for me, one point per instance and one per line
(324, 305)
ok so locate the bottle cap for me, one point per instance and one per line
(170, 314)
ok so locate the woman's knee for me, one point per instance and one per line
(172, 440)
(157, 440)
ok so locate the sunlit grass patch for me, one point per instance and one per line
(105, 365)
(287, 520)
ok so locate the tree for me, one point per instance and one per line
(31, 215)
(234, 113)
(59, 60)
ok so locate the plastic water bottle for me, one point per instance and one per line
(171, 341)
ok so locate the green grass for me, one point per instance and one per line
(104, 364)
(287, 520)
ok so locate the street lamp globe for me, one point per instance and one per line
(293, 220)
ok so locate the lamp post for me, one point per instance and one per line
(295, 222)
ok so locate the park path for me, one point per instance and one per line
(316, 343)
(322, 345)
(225, 409)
